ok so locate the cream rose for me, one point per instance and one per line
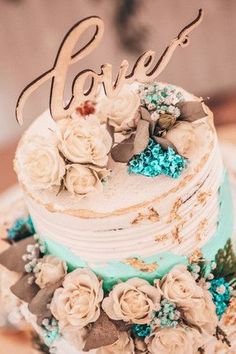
(203, 313)
(77, 303)
(183, 137)
(121, 111)
(84, 179)
(179, 287)
(179, 340)
(124, 345)
(132, 301)
(84, 140)
(49, 270)
(42, 166)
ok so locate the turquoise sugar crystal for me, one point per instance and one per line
(22, 228)
(141, 330)
(155, 161)
(221, 293)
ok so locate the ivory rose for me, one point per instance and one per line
(203, 313)
(124, 345)
(84, 140)
(42, 166)
(121, 111)
(84, 179)
(50, 270)
(132, 301)
(179, 340)
(179, 287)
(77, 302)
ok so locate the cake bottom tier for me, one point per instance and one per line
(186, 305)
(158, 265)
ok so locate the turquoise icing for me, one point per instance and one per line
(116, 271)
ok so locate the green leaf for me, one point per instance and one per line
(226, 262)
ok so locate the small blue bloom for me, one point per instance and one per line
(221, 293)
(22, 228)
(155, 161)
(141, 330)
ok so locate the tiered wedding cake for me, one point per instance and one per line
(132, 211)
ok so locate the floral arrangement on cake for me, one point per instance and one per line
(179, 313)
(150, 129)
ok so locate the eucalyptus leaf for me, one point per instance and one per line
(24, 289)
(103, 332)
(39, 304)
(12, 257)
(141, 137)
(123, 151)
(191, 110)
(165, 143)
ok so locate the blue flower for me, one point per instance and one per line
(221, 293)
(141, 330)
(22, 228)
(155, 161)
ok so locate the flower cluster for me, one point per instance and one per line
(75, 157)
(155, 161)
(150, 128)
(176, 313)
(160, 99)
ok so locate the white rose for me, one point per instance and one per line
(84, 179)
(183, 137)
(77, 303)
(179, 287)
(42, 166)
(203, 313)
(50, 270)
(121, 111)
(179, 340)
(124, 345)
(84, 140)
(134, 300)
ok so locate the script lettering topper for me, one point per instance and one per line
(144, 70)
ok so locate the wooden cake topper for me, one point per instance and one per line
(143, 71)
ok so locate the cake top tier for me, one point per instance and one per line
(68, 165)
(112, 140)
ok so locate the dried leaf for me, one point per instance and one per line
(122, 326)
(141, 137)
(24, 290)
(191, 110)
(145, 115)
(165, 143)
(103, 332)
(12, 257)
(39, 304)
(123, 151)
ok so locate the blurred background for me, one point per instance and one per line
(31, 32)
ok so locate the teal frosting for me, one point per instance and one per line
(115, 271)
